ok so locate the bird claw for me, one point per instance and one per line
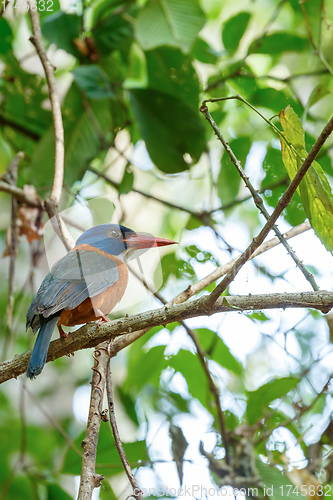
(103, 319)
(62, 332)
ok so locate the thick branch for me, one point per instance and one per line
(51, 205)
(89, 479)
(90, 335)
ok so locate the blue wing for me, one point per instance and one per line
(77, 276)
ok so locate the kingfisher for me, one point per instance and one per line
(85, 285)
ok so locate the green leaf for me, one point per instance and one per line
(108, 462)
(218, 350)
(61, 29)
(233, 30)
(145, 369)
(275, 173)
(203, 52)
(136, 76)
(189, 366)
(126, 183)
(54, 492)
(178, 448)
(170, 71)
(274, 99)
(169, 22)
(93, 81)
(113, 33)
(49, 9)
(82, 139)
(6, 37)
(277, 485)
(169, 127)
(229, 179)
(314, 188)
(276, 43)
(259, 400)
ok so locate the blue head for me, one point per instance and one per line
(116, 239)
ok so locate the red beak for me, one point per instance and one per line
(145, 240)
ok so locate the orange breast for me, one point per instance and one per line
(89, 309)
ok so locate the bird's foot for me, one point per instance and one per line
(62, 332)
(103, 319)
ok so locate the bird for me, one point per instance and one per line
(85, 285)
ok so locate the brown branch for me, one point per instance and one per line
(222, 270)
(90, 335)
(3, 9)
(51, 204)
(89, 479)
(20, 195)
(282, 203)
(137, 493)
(36, 39)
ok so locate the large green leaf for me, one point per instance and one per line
(82, 138)
(170, 71)
(114, 32)
(189, 366)
(6, 37)
(259, 400)
(314, 189)
(169, 127)
(61, 29)
(218, 350)
(277, 485)
(107, 460)
(229, 179)
(276, 43)
(93, 81)
(146, 368)
(169, 22)
(233, 30)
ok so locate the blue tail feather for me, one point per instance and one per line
(39, 353)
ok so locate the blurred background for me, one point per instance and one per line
(131, 76)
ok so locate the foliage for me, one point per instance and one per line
(131, 75)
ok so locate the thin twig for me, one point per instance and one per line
(20, 195)
(36, 39)
(91, 335)
(12, 180)
(282, 203)
(89, 478)
(3, 9)
(51, 204)
(222, 270)
(203, 360)
(137, 493)
(257, 198)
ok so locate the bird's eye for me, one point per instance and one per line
(114, 234)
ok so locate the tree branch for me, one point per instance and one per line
(90, 335)
(137, 493)
(89, 479)
(258, 201)
(36, 39)
(51, 204)
(20, 195)
(282, 203)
